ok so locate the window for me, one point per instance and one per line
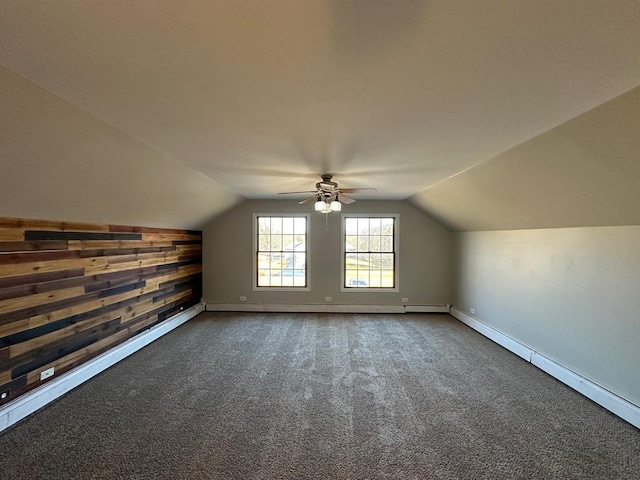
(281, 251)
(369, 252)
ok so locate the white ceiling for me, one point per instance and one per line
(263, 96)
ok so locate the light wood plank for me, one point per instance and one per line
(43, 319)
(13, 304)
(51, 266)
(12, 235)
(160, 237)
(14, 327)
(5, 377)
(27, 224)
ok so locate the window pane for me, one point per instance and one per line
(374, 243)
(276, 225)
(386, 261)
(369, 252)
(363, 244)
(287, 225)
(287, 242)
(300, 225)
(386, 243)
(387, 226)
(351, 226)
(363, 226)
(277, 240)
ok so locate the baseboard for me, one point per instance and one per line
(321, 308)
(28, 403)
(615, 404)
(427, 308)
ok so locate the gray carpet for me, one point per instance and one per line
(319, 396)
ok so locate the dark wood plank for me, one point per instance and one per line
(33, 246)
(27, 257)
(34, 278)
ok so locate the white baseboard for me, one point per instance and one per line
(427, 308)
(37, 398)
(322, 308)
(615, 404)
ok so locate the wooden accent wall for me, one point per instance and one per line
(70, 291)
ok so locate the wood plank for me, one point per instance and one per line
(21, 246)
(162, 237)
(5, 377)
(125, 228)
(78, 354)
(38, 320)
(44, 298)
(11, 235)
(41, 267)
(36, 278)
(33, 359)
(31, 257)
(107, 268)
(116, 244)
(36, 235)
(41, 287)
(14, 327)
(8, 222)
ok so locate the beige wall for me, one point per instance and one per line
(573, 294)
(425, 257)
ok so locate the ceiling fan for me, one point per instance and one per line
(328, 196)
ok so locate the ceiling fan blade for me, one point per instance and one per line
(344, 199)
(294, 193)
(359, 190)
(310, 199)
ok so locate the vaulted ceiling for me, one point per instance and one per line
(443, 103)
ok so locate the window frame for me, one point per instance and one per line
(396, 244)
(276, 288)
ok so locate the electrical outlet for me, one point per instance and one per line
(47, 373)
(328, 299)
(405, 300)
(243, 298)
(473, 310)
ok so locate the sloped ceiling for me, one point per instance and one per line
(585, 172)
(262, 97)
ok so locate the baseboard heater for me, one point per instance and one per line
(322, 308)
(37, 398)
(615, 404)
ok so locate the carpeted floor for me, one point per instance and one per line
(321, 396)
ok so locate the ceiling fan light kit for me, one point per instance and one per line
(328, 197)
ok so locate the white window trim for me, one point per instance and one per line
(254, 273)
(396, 243)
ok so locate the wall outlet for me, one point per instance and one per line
(328, 299)
(47, 373)
(243, 298)
(405, 300)
(472, 310)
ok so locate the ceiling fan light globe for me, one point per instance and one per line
(319, 206)
(326, 208)
(335, 206)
